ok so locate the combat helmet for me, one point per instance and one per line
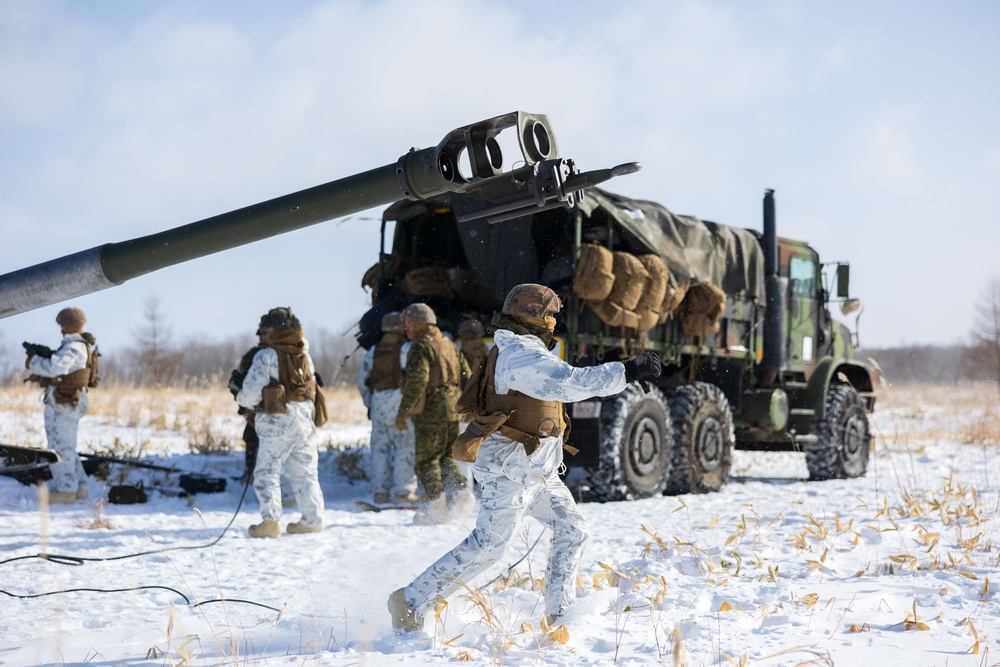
(281, 318)
(71, 318)
(264, 324)
(419, 312)
(471, 329)
(531, 300)
(392, 322)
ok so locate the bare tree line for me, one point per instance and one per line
(156, 358)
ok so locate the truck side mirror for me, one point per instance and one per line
(843, 280)
(848, 306)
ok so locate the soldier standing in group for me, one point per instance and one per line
(251, 442)
(470, 335)
(434, 377)
(380, 380)
(516, 443)
(281, 387)
(66, 374)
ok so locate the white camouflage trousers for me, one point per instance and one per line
(62, 423)
(287, 444)
(512, 484)
(393, 451)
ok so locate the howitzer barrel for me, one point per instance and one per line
(418, 174)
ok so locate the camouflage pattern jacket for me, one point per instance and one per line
(71, 356)
(524, 364)
(431, 356)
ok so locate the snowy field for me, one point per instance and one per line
(898, 568)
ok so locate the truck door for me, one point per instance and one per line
(803, 284)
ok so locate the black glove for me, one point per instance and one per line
(32, 349)
(645, 365)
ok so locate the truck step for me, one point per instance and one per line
(802, 412)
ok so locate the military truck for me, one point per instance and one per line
(752, 358)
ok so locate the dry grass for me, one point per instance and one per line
(926, 522)
(206, 419)
(966, 414)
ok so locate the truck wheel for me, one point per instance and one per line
(635, 446)
(841, 450)
(703, 439)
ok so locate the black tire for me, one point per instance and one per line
(636, 445)
(844, 437)
(703, 439)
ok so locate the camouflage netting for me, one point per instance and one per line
(630, 280)
(665, 252)
(672, 298)
(705, 252)
(594, 277)
(651, 301)
(701, 311)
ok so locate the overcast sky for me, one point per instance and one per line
(876, 124)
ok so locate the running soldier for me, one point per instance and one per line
(281, 387)
(65, 373)
(380, 380)
(516, 443)
(434, 377)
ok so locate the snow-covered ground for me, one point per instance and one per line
(897, 568)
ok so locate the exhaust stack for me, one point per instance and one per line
(776, 294)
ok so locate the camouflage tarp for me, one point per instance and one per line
(503, 255)
(728, 257)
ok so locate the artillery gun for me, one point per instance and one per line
(469, 161)
(752, 358)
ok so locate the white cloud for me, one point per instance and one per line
(182, 110)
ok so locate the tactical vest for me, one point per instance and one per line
(387, 372)
(473, 349)
(67, 388)
(526, 414)
(447, 372)
(295, 383)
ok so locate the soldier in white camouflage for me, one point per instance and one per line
(281, 387)
(435, 374)
(251, 443)
(66, 375)
(517, 465)
(380, 379)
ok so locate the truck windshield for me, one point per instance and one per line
(802, 275)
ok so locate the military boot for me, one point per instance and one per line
(433, 512)
(403, 616)
(382, 498)
(408, 498)
(266, 528)
(298, 528)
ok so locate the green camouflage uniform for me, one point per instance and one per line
(436, 425)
